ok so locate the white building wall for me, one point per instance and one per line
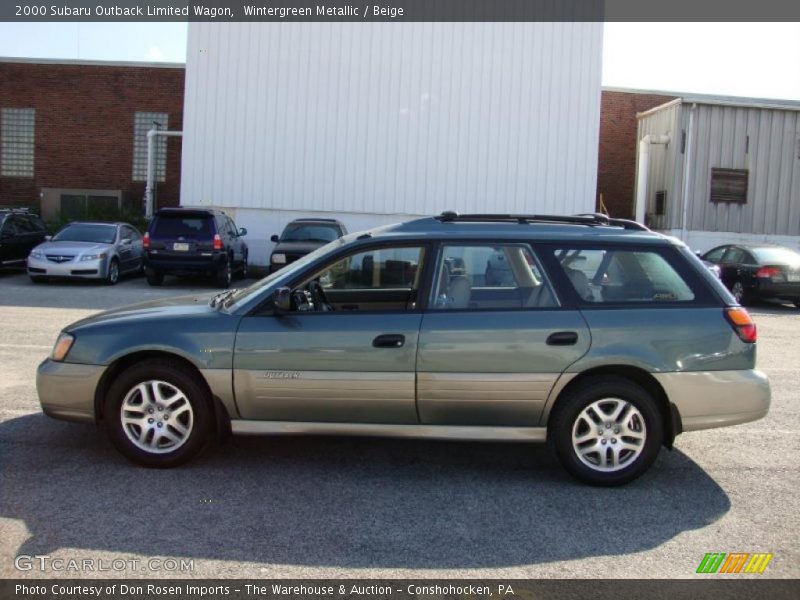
(395, 119)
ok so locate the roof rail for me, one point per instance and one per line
(20, 209)
(589, 219)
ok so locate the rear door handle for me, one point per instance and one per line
(389, 340)
(562, 338)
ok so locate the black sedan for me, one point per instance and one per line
(753, 272)
(301, 237)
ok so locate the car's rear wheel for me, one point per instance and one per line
(739, 292)
(154, 277)
(158, 414)
(112, 277)
(607, 431)
(224, 275)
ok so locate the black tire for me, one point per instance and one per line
(243, 272)
(112, 276)
(154, 277)
(224, 275)
(187, 381)
(796, 302)
(567, 417)
(741, 293)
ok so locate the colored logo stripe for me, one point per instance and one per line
(721, 562)
(758, 563)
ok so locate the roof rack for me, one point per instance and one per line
(21, 209)
(589, 219)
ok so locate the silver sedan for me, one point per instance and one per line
(88, 250)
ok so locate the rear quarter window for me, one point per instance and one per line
(614, 275)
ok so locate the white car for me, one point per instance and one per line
(88, 250)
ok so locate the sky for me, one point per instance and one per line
(736, 59)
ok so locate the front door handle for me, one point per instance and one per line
(562, 338)
(389, 340)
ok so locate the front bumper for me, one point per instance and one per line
(84, 269)
(66, 390)
(709, 399)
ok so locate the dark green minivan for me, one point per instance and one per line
(594, 333)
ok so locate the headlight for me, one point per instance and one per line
(37, 254)
(279, 259)
(93, 256)
(63, 344)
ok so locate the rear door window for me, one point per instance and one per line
(716, 255)
(734, 256)
(621, 275)
(490, 277)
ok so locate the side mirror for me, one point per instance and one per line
(283, 299)
(126, 242)
(47, 238)
(698, 254)
(242, 231)
(275, 239)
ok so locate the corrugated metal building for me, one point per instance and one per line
(375, 123)
(729, 172)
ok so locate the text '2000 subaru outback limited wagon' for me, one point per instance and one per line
(597, 334)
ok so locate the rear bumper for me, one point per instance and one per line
(767, 289)
(709, 399)
(66, 390)
(195, 263)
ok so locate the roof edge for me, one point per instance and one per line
(734, 101)
(90, 63)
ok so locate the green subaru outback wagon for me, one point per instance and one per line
(596, 334)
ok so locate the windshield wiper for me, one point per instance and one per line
(219, 298)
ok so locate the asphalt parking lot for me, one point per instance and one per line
(319, 507)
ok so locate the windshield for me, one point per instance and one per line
(87, 232)
(245, 294)
(296, 232)
(782, 256)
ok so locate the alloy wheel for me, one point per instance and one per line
(113, 272)
(609, 434)
(157, 417)
(738, 291)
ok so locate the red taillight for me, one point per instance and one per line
(217, 242)
(768, 272)
(146, 240)
(742, 324)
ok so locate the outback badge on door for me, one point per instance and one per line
(281, 375)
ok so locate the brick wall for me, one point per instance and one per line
(616, 172)
(84, 126)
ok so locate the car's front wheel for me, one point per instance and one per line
(112, 276)
(157, 414)
(607, 431)
(243, 272)
(224, 276)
